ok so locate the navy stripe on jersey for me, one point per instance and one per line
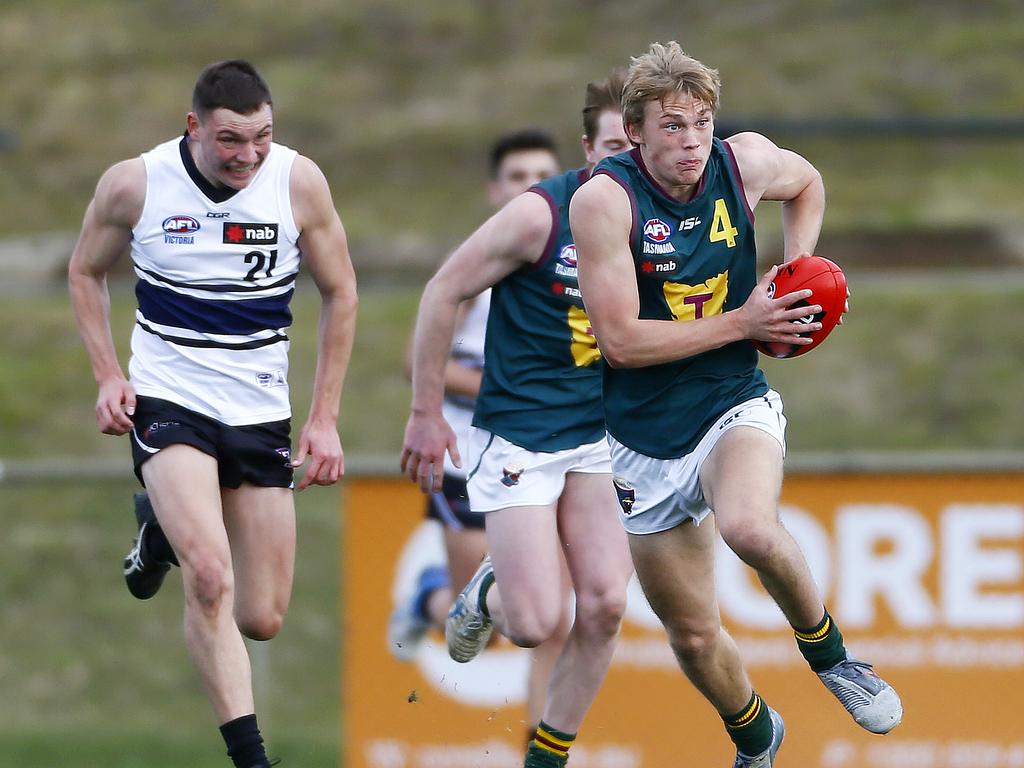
(243, 316)
(218, 287)
(209, 343)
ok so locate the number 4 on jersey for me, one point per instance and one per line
(721, 225)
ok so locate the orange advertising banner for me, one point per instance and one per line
(923, 571)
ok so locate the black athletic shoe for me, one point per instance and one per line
(143, 572)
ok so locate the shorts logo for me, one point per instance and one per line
(511, 474)
(626, 494)
(271, 379)
(657, 231)
(284, 453)
(242, 233)
(156, 426)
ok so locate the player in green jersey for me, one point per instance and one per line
(538, 463)
(666, 265)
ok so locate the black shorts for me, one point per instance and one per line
(256, 453)
(451, 505)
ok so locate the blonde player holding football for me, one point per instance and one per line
(667, 269)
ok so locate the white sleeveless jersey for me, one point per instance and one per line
(216, 272)
(467, 350)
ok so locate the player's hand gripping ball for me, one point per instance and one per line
(828, 282)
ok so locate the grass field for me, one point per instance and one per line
(92, 677)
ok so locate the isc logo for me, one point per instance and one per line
(687, 224)
(657, 231)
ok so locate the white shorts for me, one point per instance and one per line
(501, 474)
(659, 494)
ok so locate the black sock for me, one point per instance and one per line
(158, 546)
(245, 745)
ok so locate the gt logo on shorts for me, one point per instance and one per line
(511, 474)
(626, 494)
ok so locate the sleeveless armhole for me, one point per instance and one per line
(738, 178)
(549, 246)
(634, 229)
(286, 193)
(145, 195)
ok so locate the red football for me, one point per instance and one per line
(827, 281)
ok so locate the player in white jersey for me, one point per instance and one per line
(217, 223)
(518, 160)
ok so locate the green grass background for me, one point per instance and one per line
(397, 102)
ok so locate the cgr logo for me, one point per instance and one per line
(242, 233)
(180, 225)
(657, 231)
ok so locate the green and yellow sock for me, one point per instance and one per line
(751, 728)
(821, 645)
(549, 747)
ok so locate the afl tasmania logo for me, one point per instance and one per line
(180, 225)
(657, 231)
(568, 255)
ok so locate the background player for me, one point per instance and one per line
(517, 161)
(538, 462)
(216, 222)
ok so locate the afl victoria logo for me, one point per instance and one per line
(657, 231)
(180, 225)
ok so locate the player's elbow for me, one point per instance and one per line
(617, 351)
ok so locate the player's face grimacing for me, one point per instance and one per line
(675, 137)
(231, 147)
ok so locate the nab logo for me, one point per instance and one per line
(657, 231)
(568, 255)
(180, 225)
(241, 233)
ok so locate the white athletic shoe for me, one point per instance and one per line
(875, 706)
(468, 628)
(765, 759)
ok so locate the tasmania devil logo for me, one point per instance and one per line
(511, 474)
(626, 494)
(657, 231)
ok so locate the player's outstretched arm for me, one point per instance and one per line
(514, 236)
(106, 234)
(325, 251)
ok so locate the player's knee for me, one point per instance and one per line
(528, 630)
(753, 544)
(261, 626)
(692, 641)
(600, 613)
(208, 584)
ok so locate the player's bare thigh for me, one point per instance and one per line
(260, 524)
(595, 545)
(184, 487)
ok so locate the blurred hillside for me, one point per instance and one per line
(398, 100)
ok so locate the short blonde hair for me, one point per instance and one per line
(665, 70)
